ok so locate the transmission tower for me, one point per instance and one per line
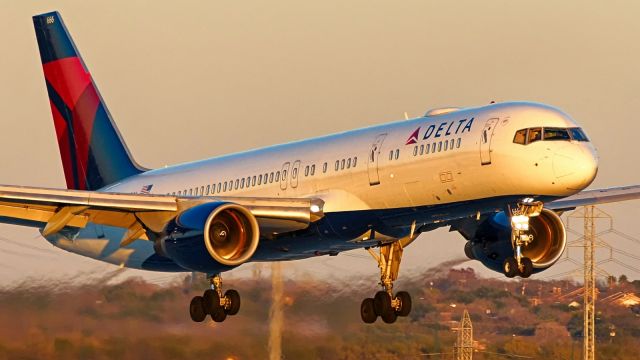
(464, 344)
(589, 351)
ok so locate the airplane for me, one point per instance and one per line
(499, 174)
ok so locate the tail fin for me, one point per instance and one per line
(92, 150)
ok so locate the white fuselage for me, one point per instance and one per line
(471, 156)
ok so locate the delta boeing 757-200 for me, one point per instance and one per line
(498, 174)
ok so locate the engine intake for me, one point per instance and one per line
(231, 234)
(550, 239)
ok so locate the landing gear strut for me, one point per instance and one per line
(518, 264)
(384, 303)
(214, 303)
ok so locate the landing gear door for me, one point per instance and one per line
(485, 141)
(284, 175)
(295, 170)
(373, 160)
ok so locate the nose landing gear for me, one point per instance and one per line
(520, 238)
(213, 302)
(384, 303)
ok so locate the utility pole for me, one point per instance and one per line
(589, 352)
(464, 345)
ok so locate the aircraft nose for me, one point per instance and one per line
(575, 166)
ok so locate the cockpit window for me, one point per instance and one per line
(521, 137)
(535, 134)
(527, 136)
(556, 134)
(578, 135)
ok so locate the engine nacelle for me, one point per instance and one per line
(492, 242)
(212, 234)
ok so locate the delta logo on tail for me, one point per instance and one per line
(414, 137)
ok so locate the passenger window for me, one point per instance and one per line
(451, 144)
(439, 146)
(397, 153)
(520, 137)
(277, 176)
(421, 149)
(355, 161)
(242, 184)
(415, 150)
(313, 169)
(294, 173)
(201, 190)
(342, 164)
(225, 186)
(427, 149)
(306, 170)
(219, 186)
(446, 145)
(391, 155)
(458, 144)
(578, 135)
(349, 163)
(284, 175)
(433, 147)
(324, 168)
(337, 164)
(260, 179)
(554, 134)
(179, 192)
(534, 134)
(271, 178)
(237, 184)
(208, 189)
(190, 192)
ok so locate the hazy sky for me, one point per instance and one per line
(211, 77)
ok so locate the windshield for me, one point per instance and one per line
(530, 135)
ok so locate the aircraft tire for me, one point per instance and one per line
(368, 311)
(218, 314)
(527, 267)
(196, 309)
(234, 298)
(468, 250)
(405, 303)
(510, 267)
(389, 316)
(382, 302)
(211, 301)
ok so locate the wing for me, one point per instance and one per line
(53, 209)
(595, 197)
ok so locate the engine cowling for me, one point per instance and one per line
(206, 236)
(492, 242)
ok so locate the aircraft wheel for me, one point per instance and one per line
(382, 302)
(218, 314)
(389, 315)
(527, 267)
(196, 309)
(368, 311)
(234, 299)
(510, 267)
(468, 250)
(405, 303)
(211, 301)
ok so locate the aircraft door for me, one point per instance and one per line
(295, 172)
(373, 159)
(284, 175)
(485, 141)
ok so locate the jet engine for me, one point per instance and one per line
(491, 244)
(226, 233)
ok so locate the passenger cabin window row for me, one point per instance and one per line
(261, 179)
(394, 154)
(528, 136)
(439, 146)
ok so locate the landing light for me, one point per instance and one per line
(314, 208)
(520, 222)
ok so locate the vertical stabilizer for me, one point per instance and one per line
(92, 150)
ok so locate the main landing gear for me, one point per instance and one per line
(384, 303)
(518, 264)
(214, 303)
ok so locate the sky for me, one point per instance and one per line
(208, 78)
